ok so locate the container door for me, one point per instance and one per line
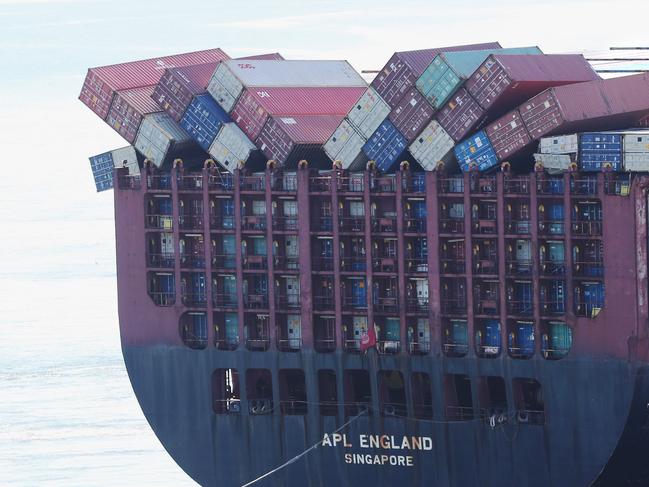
(259, 245)
(523, 250)
(491, 339)
(593, 298)
(422, 292)
(229, 250)
(459, 335)
(259, 207)
(199, 324)
(294, 331)
(290, 212)
(166, 212)
(419, 209)
(227, 213)
(523, 340)
(556, 252)
(198, 288)
(167, 248)
(166, 283)
(556, 216)
(359, 293)
(359, 329)
(524, 296)
(293, 291)
(423, 334)
(231, 328)
(230, 287)
(392, 334)
(558, 296)
(327, 248)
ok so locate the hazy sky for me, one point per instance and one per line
(61, 232)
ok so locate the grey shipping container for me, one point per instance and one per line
(345, 145)
(159, 136)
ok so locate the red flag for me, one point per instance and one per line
(368, 339)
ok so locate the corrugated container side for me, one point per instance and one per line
(385, 146)
(232, 147)
(460, 115)
(597, 149)
(177, 87)
(158, 136)
(508, 135)
(346, 145)
(554, 163)
(127, 110)
(102, 82)
(368, 113)
(432, 146)
(203, 119)
(102, 166)
(448, 71)
(403, 68)
(411, 114)
(476, 150)
(502, 82)
(559, 144)
(636, 161)
(636, 141)
(225, 87)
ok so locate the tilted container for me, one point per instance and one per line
(128, 110)
(449, 70)
(403, 68)
(635, 144)
(231, 77)
(368, 113)
(411, 114)
(460, 114)
(255, 105)
(554, 163)
(502, 82)
(476, 151)
(385, 146)
(232, 148)
(159, 137)
(508, 135)
(289, 139)
(102, 166)
(203, 120)
(559, 144)
(346, 145)
(101, 83)
(432, 146)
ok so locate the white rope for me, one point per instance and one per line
(297, 457)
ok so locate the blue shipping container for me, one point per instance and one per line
(203, 119)
(596, 149)
(476, 150)
(385, 146)
(521, 340)
(491, 334)
(102, 171)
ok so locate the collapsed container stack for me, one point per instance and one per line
(475, 105)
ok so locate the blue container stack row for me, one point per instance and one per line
(476, 152)
(203, 120)
(385, 146)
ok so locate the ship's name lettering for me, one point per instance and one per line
(379, 442)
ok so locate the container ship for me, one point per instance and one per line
(439, 278)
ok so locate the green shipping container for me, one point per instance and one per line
(448, 71)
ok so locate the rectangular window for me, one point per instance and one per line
(225, 391)
(358, 393)
(392, 393)
(259, 389)
(458, 398)
(528, 400)
(292, 392)
(327, 392)
(422, 397)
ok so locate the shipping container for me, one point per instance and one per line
(288, 140)
(159, 136)
(636, 161)
(231, 147)
(102, 166)
(636, 140)
(231, 77)
(432, 146)
(403, 68)
(101, 83)
(411, 114)
(368, 113)
(504, 81)
(203, 120)
(255, 105)
(460, 115)
(177, 87)
(449, 70)
(595, 105)
(128, 109)
(559, 144)
(554, 163)
(598, 149)
(476, 151)
(271, 56)
(508, 135)
(385, 146)
(346, 145)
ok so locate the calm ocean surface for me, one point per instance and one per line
(68, 415)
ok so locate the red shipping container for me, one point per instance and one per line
(255, 105)
(403, 68)
(101, 83)
(596, 105)
(128, 109)
(290, 139)
(272, 56)
(460, 114)
(504, 81)
(411, 114)
(508, 135)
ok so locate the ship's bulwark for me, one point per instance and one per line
(587, 405)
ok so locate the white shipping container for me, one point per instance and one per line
(561, 144)
(554, 163)
(231, 146)
(432, 145)
(368, 113)
(126, 157)
(156, 135)
(636, 141)
(230, 77)
(345, 145)
(636, 161)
